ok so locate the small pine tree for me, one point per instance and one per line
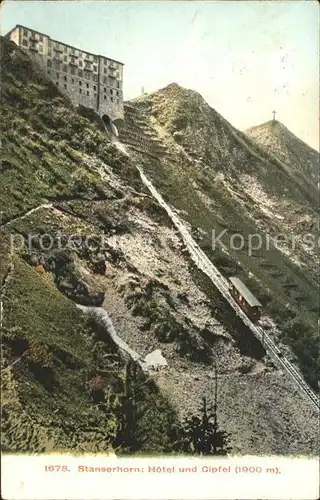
(200, 435)
(126, 437)
(146, 421)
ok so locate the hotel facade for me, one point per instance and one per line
(89, 80)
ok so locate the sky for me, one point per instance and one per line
(246, 58)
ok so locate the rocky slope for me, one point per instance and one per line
(222, 181)
(80, 228)
(282, 143)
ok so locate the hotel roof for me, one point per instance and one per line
(58, 41)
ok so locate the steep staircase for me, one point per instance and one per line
(138, 134)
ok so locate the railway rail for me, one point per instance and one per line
(205, 264)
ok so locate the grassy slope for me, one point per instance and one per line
(48, 403)
(44, 140)
(48, 400)
(50, 387)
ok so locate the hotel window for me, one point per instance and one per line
(65, 85)
(57, 75)
(95, 58)
(41, 38)
(80, 83)
(25, 32)
(105, 97)
(72, 71)
(80, 91)
(80, 73)
(25, 42)
(111, 99)
(72, 80)
(105, 70)
(117, 92)
(49, 63)
(105, 90)
(49, 72)
(49, 53)
(94, 68)
(65, 78)
(40, 48)
(111, 91)
(65, 68)
(80, 64)
(94, 87)
(87, 85)
(88, 92)
(57, 83)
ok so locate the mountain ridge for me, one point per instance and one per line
(64, 381)
(223, 173)
(287, 146)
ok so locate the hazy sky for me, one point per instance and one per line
(245, 58)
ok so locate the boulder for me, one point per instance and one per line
(155, 360)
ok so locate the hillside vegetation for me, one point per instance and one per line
(80, 229)
(223, 181)
(63, 379)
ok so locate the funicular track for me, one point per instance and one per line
(204, 263)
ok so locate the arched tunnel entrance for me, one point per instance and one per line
(106, 120)
(110, 125)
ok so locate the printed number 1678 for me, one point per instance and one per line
(56, 468)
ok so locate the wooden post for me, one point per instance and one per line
(215, 393)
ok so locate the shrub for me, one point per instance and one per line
(39, 354)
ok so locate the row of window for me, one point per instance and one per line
(56, 64)
(65, 68)
(111, 82)
(86, 65)
(65, 79)
(72, 51)
(32, 44)
(112, 99)
(32, 33)
(77, 53)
